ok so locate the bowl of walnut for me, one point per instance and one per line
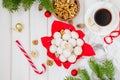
(66, 10)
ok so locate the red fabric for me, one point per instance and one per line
(114, 34)
(56, 27)
(87, 50)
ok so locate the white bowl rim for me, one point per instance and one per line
(115, 15)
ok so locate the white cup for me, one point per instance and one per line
(94, 26)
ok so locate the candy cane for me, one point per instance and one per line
(30, 60)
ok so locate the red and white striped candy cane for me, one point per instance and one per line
(30, 60)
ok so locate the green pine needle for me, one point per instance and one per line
(101, 71)
(96, 68)
(27, 4)
(71, 78)
(47, 4)
(83, 74)
(11, 5)
(109, 69)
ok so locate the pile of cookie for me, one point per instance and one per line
(66, 45)
(66, 9)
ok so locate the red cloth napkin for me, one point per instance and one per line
(56, 27)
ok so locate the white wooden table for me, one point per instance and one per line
(13, 65)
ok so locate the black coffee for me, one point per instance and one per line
(103, 17)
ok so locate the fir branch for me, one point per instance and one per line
(71, 78)
(96, 68)
(47, 4)
(83, 74)
(11, 5)
(109, 69)
(101, 71)
(27, 4)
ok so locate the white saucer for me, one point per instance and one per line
(96, 28)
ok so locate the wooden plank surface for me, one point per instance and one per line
(38, 29)
(20, 65)
(5, 44)
(14, 65)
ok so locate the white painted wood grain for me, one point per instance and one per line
(5, 43)
(13, 64)
(55, 72)
(20, 66)
(38, 29)
(79, 19)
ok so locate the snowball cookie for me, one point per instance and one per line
(53, 48)
(66, 46)
(63, 44)
(80, 42)
(74, 35)
(58, 41)
(62, 58)
(67, 31)
(72, 42)
(66, 36)
(59, 50)
(66, 53)
(72, 58)
(78, 50)
(53, 41)
(57, 35)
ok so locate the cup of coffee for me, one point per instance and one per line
(102, 18)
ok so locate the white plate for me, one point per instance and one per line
(96, 28)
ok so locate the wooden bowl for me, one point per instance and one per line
(66, 10)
